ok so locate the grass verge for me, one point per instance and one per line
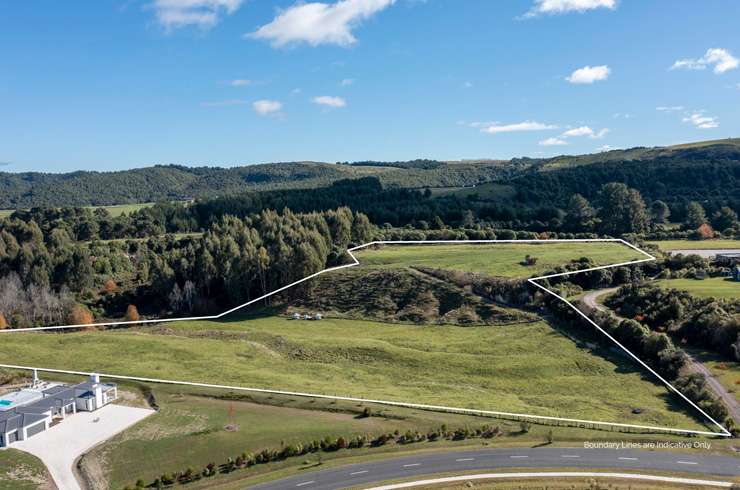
(713, 287)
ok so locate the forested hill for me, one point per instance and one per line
(698, 171)
(175, 182)
(674, 175)
(158, 183)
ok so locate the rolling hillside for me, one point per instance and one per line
(696, 171)
(174, 182)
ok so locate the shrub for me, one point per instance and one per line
(132, 313)
(80, 315)
(110, 286)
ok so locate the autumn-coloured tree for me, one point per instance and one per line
(132, 313)
(3, 322)
(110, 286)
(80, 315)
(705, 231)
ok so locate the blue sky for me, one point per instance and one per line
(114, 84)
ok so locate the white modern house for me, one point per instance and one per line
(26, 412)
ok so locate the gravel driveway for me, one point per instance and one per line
(62, 444)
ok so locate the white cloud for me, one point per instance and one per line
(621, 115)
(688, 64)
(495, 128)
(581, 131)
(721, 59)
(318, 23)
(564, 6)
(672, 108)
(467, 85)
(347, 82)
(553, 142)
(223, 103)
(701, 121)
(240, 82)
(589, 74)
(266, 107)
(329, 101)
(604, 148)
(585, 131)
(200, 13)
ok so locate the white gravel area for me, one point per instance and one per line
(62, 444)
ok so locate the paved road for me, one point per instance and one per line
(729, 399)
(696, 462)
(705, 252)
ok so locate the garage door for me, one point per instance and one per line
(35, 429)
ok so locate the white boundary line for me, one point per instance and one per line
(555, 474)
(356, 262)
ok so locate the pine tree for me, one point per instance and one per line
(622, 210)
(660, 212)
(580, 216)
(695, 215)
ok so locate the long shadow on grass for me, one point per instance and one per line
(622, 362)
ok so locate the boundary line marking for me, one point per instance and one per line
(555, 474)
(517, 416)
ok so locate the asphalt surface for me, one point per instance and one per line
(727, 398)
(706, 253)
(374, 472)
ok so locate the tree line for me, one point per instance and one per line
(614, 210)
(49, 277)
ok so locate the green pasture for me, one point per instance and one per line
(696, 244)
(497, 259)
(524, 368)
(714, 287)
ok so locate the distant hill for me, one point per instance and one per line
(699, 144)
(175, 182)
(690, 171)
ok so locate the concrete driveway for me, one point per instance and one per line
(62, 444)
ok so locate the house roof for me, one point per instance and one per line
(10, 421)
(54, 397)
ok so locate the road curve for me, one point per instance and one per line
(695, 462)
(730, 401)
(590, 299)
